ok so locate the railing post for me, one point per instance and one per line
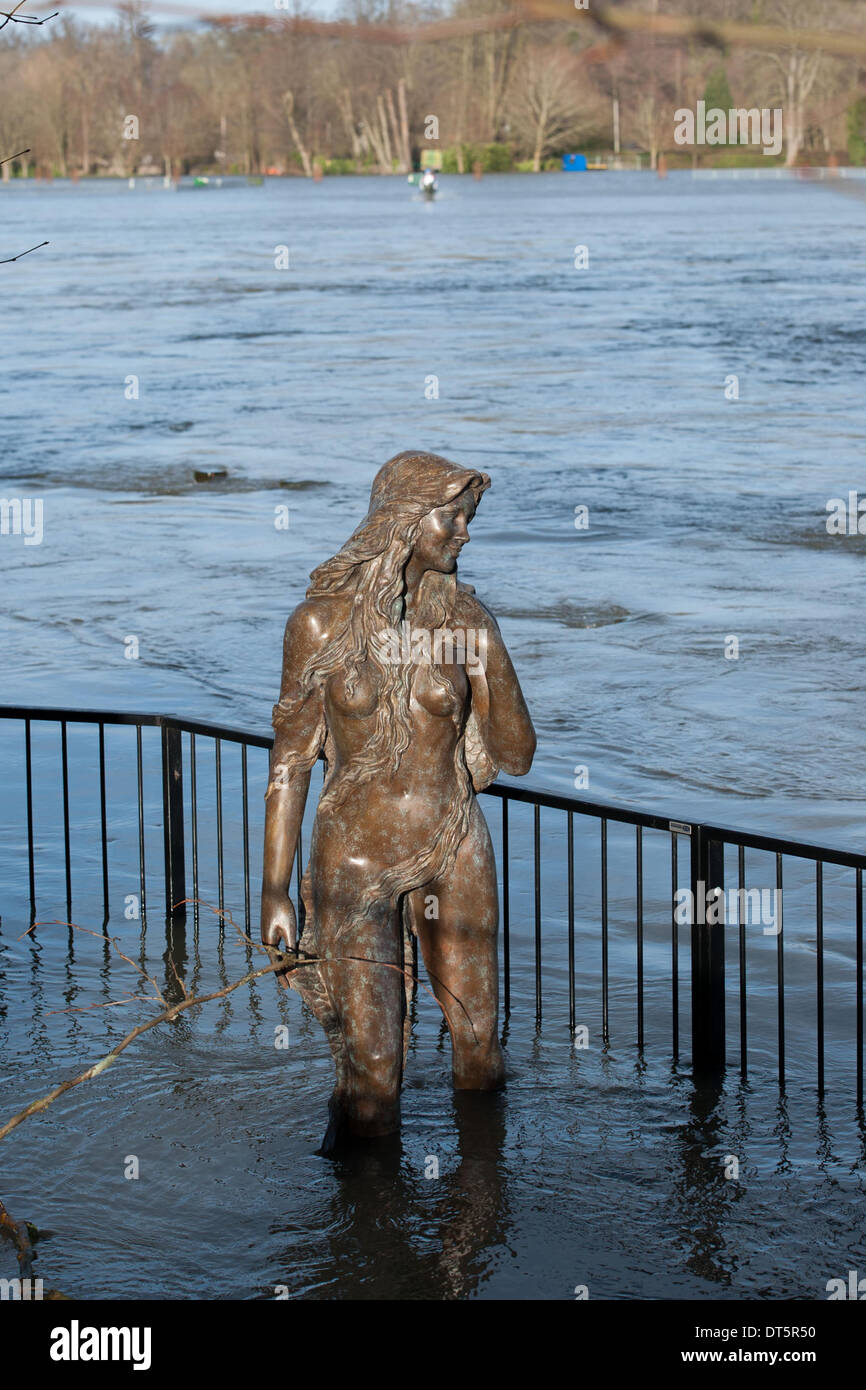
(708, 955)
(172, 824)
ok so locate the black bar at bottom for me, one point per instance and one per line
(172, 809)
(708, 955)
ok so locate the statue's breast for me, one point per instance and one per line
(358, 701)
(435, 696)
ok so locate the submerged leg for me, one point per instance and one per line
(368, 1003)
(457, 922)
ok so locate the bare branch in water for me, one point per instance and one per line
(112, 941)
(280, 963)
(17, 1232)
(167, 1016)
(109, 1004)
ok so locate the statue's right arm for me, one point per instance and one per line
(299, 734)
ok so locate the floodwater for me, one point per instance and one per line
(155, 338)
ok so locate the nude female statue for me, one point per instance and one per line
(410, 724)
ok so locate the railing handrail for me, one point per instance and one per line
(535, 796)
(148, 719)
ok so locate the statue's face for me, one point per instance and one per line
(443, 534)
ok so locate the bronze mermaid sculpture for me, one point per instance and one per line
(396, 673)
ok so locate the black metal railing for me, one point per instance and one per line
(552, 906)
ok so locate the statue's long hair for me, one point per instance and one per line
(370, 568)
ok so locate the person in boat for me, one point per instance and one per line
(409, 730)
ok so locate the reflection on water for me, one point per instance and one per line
(386, 1236)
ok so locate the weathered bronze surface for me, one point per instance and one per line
(397, 672)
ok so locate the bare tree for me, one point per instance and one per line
(544, 105)
(798, 68)
(289, 104)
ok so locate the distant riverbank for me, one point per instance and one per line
(481, 162)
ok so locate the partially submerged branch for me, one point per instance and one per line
(281, 963)
(18, 1233)
(167, 1016)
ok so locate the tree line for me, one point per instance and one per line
(130, 96)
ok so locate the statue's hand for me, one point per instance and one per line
(279, 923)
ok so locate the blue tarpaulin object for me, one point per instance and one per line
(574, 161)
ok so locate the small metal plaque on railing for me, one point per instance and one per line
(680, 827)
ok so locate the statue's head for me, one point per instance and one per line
(421, 506)
(435, 499)
(420, 482)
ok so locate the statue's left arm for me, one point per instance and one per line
(497, 700)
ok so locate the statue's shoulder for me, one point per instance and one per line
(472, 610)
(313, 623)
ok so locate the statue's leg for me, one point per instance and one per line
(369, 1003)
(457, 919)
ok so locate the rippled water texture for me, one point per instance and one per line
(601, 387)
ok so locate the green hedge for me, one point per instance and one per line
(857, 132)
(494, 159)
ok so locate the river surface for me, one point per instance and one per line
(154, 339)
